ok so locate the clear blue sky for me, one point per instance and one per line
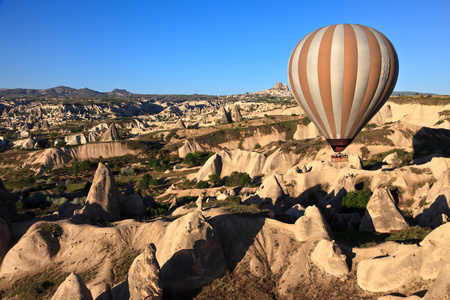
(205, 47)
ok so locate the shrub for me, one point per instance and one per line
(202, 185)
(238, 179)
(257, 146)
(356, 201)
(216, 180)
(20, 205)
(127, 171)
(153, 181)
(79, 200)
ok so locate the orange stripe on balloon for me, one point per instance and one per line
(374, 76)
(393, 73)
(302, 64)
(324, 65)
(350, 74)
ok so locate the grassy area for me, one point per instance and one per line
(412, 235)
(38, 286)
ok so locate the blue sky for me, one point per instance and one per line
(206, 47)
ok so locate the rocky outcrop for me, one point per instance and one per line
(312, 226)
(224, 116)
(34, 251)
(279, 162)
(144, 276)
(73, 288)
(111, 134)
(295, 212)
(406, 263)
(438, 203)
(104, 199)
(59, 156)
(328, 256)
(7, 206)
(388, 273)
(180, 124)
(236, 114)
(225, 162)
(382, 214)
(190, 254)
(189, 147)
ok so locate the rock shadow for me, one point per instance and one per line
(439, 207)
(429, 143)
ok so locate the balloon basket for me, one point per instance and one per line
(339, 157)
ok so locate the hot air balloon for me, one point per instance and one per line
(341, 75)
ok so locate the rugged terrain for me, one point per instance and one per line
(123, 196)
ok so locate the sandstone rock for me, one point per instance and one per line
(295, 212)
(312, 226)
(248, 162)
(236, 114)
(279, 162)
(328, 257)
(180, 124)
(224, 116)
(390, 272)
(67, 209)
(382, 214)
(5, 239)
(73, 288)
(392, 159)
(7, 206)
(212, 166)
(441, 285)
(144, 276)
(133, 205)
(190, 253)
(104, 199)
(189, 147)
(270, 189)
(111, 134)
(438, 200)
(34, 251)
(435, 246)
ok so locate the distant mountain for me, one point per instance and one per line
(410, 93)
(64, 91)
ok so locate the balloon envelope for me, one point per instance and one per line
(341, 75)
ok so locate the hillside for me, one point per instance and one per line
(187, 197)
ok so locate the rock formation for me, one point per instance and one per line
(224, 116)
(312, 226)
(236, 114)
(382, 214)
(34, 251)
(328, 256)
(180, 124)
(189, 147)
(144, 276)
(73, 288)
(438, 203)
(191, 255)
(7, 206)
(104, 199)
(111, 134)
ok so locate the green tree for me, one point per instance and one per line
(202, 185)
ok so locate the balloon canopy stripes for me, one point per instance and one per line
(341, 75)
